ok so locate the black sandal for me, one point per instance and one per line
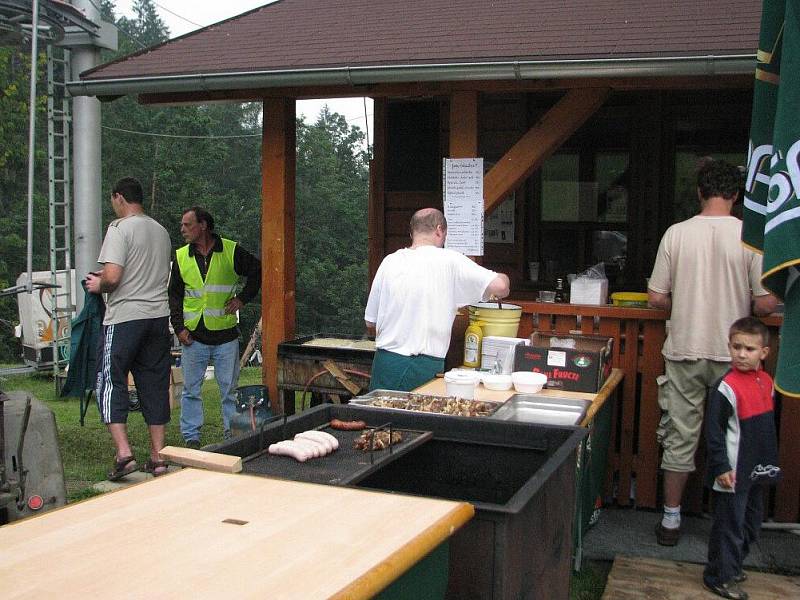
(155, 467)
(122, 467)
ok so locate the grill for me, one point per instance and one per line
(519, 476)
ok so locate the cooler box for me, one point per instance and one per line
(583, 368)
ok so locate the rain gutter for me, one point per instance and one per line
(708, 65)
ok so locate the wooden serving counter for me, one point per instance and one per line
(201, 534)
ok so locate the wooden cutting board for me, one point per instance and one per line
(203, 534)
(436, 387)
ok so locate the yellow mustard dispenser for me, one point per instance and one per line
(472, 345)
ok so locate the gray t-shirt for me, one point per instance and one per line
(141, 247)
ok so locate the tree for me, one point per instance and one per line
(331, 229)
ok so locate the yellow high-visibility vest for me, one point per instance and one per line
(207, 298)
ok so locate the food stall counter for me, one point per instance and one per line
(203, 534)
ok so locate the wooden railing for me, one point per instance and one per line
(634, 453)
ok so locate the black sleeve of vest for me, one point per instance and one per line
(248, 266)
(175, 293)
(718, 411)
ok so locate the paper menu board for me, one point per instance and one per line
(463, 204)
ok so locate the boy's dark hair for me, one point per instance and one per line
(202, 216)
(130, 189)
(750, 326)
(718, 178)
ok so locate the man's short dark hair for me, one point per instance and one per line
(718, 178)
(130, 189)
(202, 216)
(750, 326)
(426, 220)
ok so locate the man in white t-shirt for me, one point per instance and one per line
(135, 337)
(413, 302)
(707, 279)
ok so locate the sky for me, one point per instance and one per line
(185, 16)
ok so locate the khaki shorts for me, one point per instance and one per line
(682, 398)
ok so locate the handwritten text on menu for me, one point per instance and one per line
(463, 204)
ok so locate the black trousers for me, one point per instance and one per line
(141, 348)
(737, 522)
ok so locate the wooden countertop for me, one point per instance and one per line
(436, 387)
(202, 534)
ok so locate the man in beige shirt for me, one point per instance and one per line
(706, 278)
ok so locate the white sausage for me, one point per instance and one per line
(306, 435)
(287, 448)
(322, 436)
(313, 448)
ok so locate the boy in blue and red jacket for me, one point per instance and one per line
(742, 456)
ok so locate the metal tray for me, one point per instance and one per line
(546, 410)
(343, 466)
(369, 400)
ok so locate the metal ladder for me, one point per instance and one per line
(59, 151)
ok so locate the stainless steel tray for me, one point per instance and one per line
(425, 403)
(548, 410)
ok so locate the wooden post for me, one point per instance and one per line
(277, 236)
(464, 124)
(377, 190)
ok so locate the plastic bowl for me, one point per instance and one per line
(461, 383)
(528, 382)
(497, 381)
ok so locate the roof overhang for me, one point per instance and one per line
(699, 66)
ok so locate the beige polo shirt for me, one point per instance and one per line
(711, 277)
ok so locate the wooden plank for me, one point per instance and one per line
(633, 578)
(341, 377)
(211, 461)
(788, 491)
(277, 235)
(424, 88)
(628, 357)
(544, 138)
(197, 528)
(650, 367)
(464, 124)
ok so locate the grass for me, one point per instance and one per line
(87, 452)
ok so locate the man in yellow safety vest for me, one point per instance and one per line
(203, 305)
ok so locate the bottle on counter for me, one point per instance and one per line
(473, 337)
(561, 294)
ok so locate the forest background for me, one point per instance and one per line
(206, 155)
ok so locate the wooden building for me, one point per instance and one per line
(590, 117)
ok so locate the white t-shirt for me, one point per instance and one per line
(141, 246)
(415, 295)
(710, 275)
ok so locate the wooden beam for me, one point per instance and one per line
(464, 124)
(210, 461)
(445, 88)
(544, 138)
(277, 236)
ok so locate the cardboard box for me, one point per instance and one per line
(582, 369)
(175, 387)
(586, 290)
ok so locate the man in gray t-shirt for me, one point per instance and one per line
(135, 337)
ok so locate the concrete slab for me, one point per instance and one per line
(630, 532)
(135, 477)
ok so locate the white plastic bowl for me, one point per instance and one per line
(497, 381)
(461, 383)
(528, 382)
